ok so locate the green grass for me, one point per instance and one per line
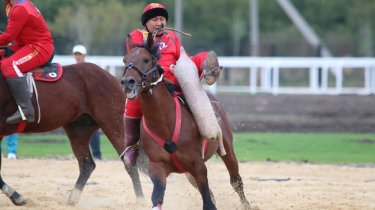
(310, 147)
(335, 148)
(54, 146)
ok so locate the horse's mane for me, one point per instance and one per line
(154, 51)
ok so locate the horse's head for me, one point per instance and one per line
(141, 69)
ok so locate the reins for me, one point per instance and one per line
(171, 29)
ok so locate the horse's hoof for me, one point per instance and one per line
(247, 206)
(158, 207)
(71, 203)
(141, 200)
(19, 201)
(74, 197)
(13, 195)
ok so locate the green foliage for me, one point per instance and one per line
(2, 17)
(345, 26)
(101, 26)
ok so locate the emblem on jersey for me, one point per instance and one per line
(162, 45)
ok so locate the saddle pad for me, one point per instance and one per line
(49, 73)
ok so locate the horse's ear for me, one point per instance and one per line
(150, 41)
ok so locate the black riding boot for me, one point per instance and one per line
(132, 133)
(18, 88)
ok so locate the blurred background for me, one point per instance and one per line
(290, 66)
(345, 27)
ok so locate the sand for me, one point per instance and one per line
(45, 184)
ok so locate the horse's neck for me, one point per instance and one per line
(158, 108)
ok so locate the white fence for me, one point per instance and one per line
(264, 73)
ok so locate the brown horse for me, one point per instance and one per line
(161, 115)
(85, 99)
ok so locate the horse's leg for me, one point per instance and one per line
(199, 172)
(158, 177)
(134, 176)
(131, 170)
(79, 133)
(231, 163)
(192, 181)
(229, 159)
(115, 134)
(13, 195)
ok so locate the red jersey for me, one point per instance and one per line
(26, 25)
(169, 45)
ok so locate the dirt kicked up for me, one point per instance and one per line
(45, 184)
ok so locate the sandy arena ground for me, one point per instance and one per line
(45, 183)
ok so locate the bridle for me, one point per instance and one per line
(154, 67)
(150, 72)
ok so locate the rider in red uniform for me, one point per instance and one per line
(155, 16)
(32, 44)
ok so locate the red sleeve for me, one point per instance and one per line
(17, 19)
(177, 43)
(133, 39)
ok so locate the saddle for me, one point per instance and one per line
(48, 73)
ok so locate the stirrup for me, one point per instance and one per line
(19, 116)
(23, 117)
(130, 159)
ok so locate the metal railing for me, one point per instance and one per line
(325, 75)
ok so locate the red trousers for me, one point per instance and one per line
(133, 107)
(26, 59)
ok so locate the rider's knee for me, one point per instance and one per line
(7, 68)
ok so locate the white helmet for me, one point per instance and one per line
(80, 49)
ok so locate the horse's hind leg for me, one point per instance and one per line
(134, 175)
(192, 181)
(112, 125)
(13, 195)
(79, 133)
(229, 159)
(231, 163)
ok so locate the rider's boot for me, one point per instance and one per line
(20, 91)
(132, 133)
(211, 68)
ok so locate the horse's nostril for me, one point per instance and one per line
(128, 82)
(131, 83)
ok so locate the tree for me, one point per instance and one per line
(101, 26)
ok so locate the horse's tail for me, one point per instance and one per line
(142, 161)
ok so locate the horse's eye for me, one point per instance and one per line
(146, 60)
